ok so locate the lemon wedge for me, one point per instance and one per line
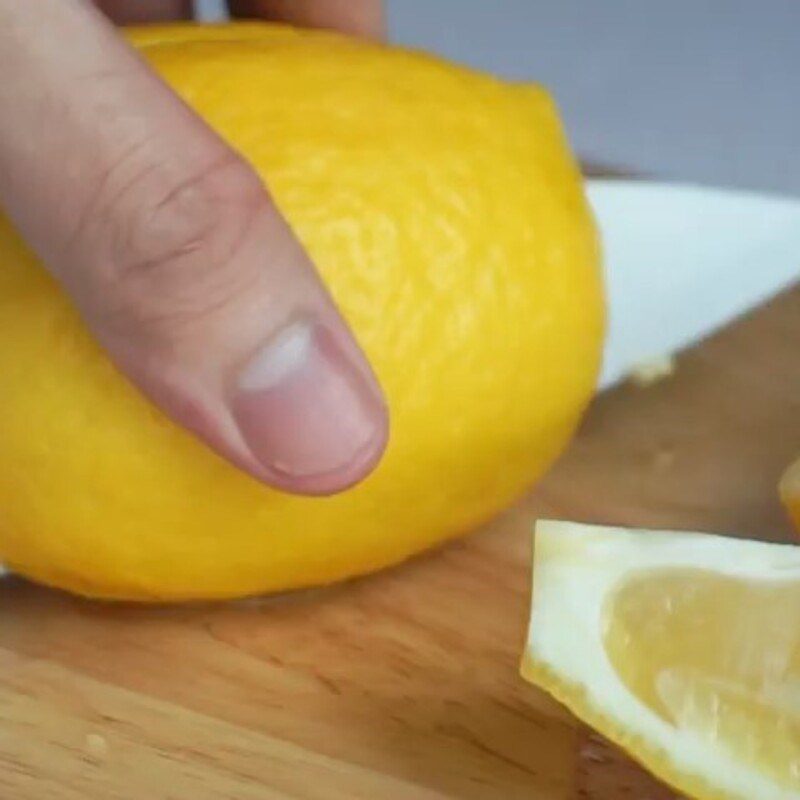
(683, 648)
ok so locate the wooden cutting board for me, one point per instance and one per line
(403, 685)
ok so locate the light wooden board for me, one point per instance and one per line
(403, 685)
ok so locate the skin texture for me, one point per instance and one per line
(172, 248)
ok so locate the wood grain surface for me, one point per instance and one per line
(405, 684)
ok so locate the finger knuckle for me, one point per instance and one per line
(173, 255)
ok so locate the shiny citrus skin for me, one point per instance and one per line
(447, 216)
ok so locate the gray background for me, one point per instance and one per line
(706, 91)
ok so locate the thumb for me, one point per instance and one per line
(177, 257)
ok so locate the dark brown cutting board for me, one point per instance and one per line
(403, 685)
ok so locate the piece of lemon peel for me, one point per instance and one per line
(646, 373)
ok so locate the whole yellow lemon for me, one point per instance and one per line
(445, 212)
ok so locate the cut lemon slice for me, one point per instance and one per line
(682, 648)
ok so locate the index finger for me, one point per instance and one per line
(128, 12)
(358, 17)
(175, 253)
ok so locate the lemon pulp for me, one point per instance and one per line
(717, 656)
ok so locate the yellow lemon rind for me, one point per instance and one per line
(437, 225)
(575, 698)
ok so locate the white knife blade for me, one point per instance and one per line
(682, 261)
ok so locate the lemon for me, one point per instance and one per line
(790, 492)
(445, 212)
(683, 648)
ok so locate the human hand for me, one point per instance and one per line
(171, 247)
